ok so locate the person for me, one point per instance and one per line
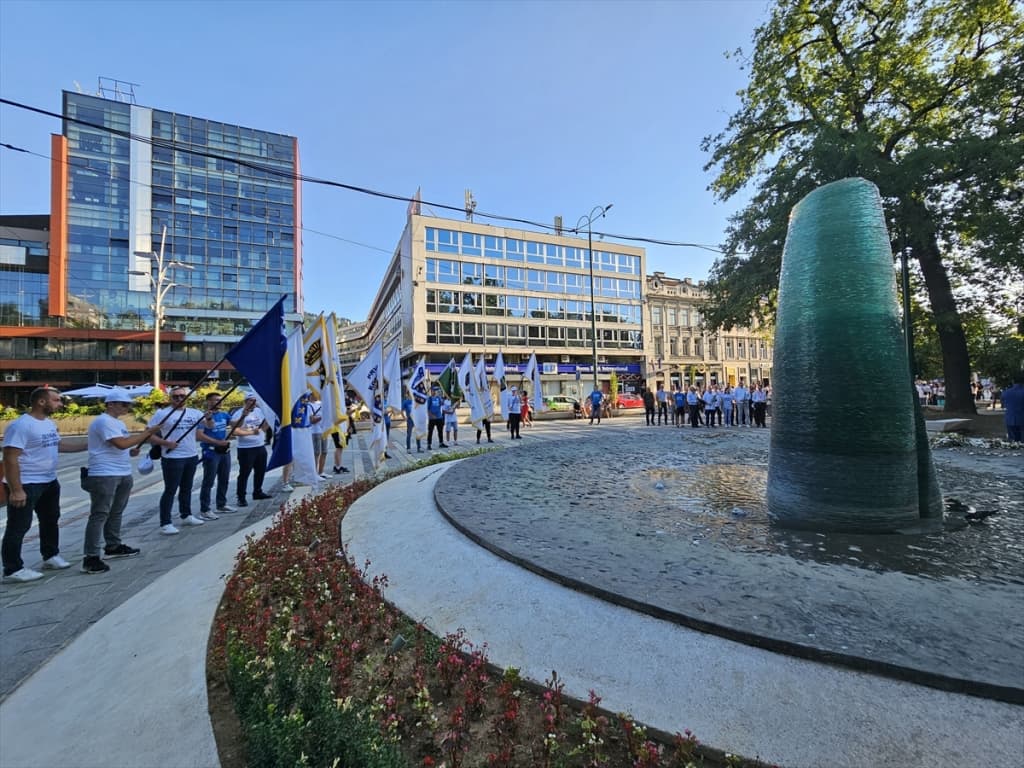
(662, 397)
(486, 424)
(216, 458)
(252, 430)
(693, 406)
(679, 401)
(407, 410)
(30, 447)
(759, 398)
(596, 398)
(435, 417)
(109, 481)
(524, 410)
(710, 405)
(451, 421)
(741, 396)
(316, 429)
(727, 403)
(177, 440)
(382, 414)
(1013, 409)
(649, 402)
(512, 408)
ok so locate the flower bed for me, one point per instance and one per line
(324, 672)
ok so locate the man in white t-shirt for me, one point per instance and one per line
(251, 429)
(30, 448)
(316, 428)
(109, 481)
(177, 439)
(741, 395)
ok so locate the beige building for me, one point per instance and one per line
(456, 286)
(682, 352)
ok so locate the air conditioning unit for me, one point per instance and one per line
(566, 359)
(12, 377)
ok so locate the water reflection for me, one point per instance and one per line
(725, 504)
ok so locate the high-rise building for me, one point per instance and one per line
(150, 210)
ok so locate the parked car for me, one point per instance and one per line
(561, 402)
(629, 400)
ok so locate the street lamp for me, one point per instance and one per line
(598, 212)
(160, 284)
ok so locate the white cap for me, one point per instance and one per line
(117, 396)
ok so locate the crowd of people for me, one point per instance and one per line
(712, 405)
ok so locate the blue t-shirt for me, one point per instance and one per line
(218, 431)
(596, 398)
(680, 398)
(434, 404)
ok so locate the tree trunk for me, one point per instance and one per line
(956, 364)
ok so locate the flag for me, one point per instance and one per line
(468, 384)
(419, 387)
(301, 448)
(313, 347)
(392, 375)
(335, 411)
(484, 389)
(532, 373)
(262, 356)
(365, 378)
(499, 377)
(449, 381)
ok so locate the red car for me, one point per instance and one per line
(629, 400)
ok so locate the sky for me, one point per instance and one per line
(540, 108)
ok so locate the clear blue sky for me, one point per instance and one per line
(540, 108)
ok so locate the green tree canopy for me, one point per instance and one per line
(922, 98)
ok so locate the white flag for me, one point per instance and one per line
(484, 389)
(303, 461)
(365, 378)
(471, 391)
(392, 380)
(419, 389)
(335, 410)
(533, 375)
(499, 377)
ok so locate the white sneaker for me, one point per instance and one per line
(325, 476)
(55, 563)
(24, 575)
(226, 508)
(168, 530)
(191, 520)
(287, 488)
(208, 515)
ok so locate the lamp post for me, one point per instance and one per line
(598, 212)
(161, 284)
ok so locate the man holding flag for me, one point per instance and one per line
(366, 380)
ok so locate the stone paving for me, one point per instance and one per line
(671, 522)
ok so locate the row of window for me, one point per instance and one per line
(511, 334)
(205, 183)
(216, 135)
(675, 317)
(511, 249)
(233, 209)
(500, 305)
(64, 349)
(450, 272)
(680, 347)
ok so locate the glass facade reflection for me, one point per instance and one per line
(225, 193)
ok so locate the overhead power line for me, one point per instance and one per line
(271, 170)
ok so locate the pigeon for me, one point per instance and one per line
(977, 516)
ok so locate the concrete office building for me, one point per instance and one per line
(77, 294)
(457, 286)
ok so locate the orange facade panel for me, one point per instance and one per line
(58, 280)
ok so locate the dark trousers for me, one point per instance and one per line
(178, 477)
(487, 428)
(251, 460)
(408, 433)
(513, 425)
(216, 466)
(663, 412)
(44, 500)
(433, 424)
(649, 414)
(759, 412)
(694, 415)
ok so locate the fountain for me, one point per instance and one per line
(848, 447)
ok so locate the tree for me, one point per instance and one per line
(921, 98)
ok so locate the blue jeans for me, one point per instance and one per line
(44, 500)
(216, 466)
(178, 476)
(108, 496)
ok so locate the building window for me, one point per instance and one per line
(556, 309)
(494, 247)
(670, 316)
(656, 316)
(554, 254)
(741, 349)
(555, 282)
(534, 280)
(516, 306)
(447, 241)
(448, 332)
(538, 336)
(472, 274)
(535, 308)
(440, 270)
(494, 276)
(658, 347)
(573, 258)
(673, 346)
(729, 346)
(516, 335)
(515, 278)
(574, 284)
(514, 249)
(471, 244)
(471, 303)
(534, 252)
(557, 336)
(684, 318)
(472, 333)
(494, 304)
(495, 333)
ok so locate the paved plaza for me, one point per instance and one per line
(136, 637)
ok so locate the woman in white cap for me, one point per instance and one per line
(250, 427)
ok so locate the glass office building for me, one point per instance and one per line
(227, 196)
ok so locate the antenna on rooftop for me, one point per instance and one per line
(117, 90)
(470, 205)
(558, 225)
